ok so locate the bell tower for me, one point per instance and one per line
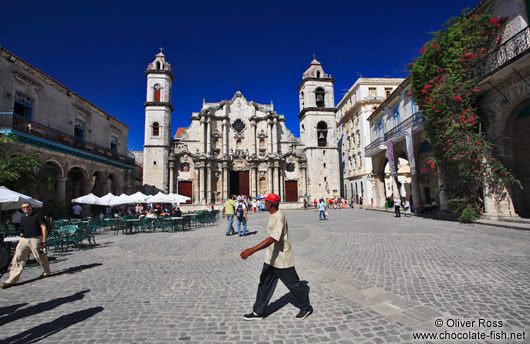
(318, 132)
(157, 139)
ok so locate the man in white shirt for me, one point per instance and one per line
(278, 264)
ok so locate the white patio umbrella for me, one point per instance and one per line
(86, 199)
(135, 198)
(105, 200)
(10, 199)
(169, 198)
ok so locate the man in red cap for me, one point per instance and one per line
(278, 264)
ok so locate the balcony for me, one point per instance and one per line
(42, 133)
(375, 147)
(379, 144)
(508, 52)
(410, 122)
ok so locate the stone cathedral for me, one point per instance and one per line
(238, 146)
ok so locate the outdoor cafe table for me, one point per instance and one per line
(132, 223)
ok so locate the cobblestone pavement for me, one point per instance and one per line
(372, 279)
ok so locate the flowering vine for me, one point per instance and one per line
(446, 89)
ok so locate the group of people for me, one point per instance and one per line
(335, 203)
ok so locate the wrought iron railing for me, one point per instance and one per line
(412, 121)
(374, 144)
(505, 53)
(13, 121)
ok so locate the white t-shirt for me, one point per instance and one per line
(279, 254)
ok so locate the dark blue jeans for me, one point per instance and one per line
(267, 284)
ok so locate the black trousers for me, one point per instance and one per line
(267, 284)
(398, 213)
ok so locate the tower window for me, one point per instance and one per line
(157, 64)
(23, 105)
(156, 129)
(114, 144)
(79, 131)
(156, 93)
(372, 92)
(319, 97)
(388, 91)
(318, 74)
(322, 134)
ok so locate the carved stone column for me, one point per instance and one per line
(270, 178)
(275, 136)
(303, 182)
(61, 189)
(202, 138)
(223, 151)
(171, 177)
(208, 137)
(251, 181)
(415, 186)
(202, 188)
(208, 184)
(256, 181)
(196, 187)
(253, 148)
(269, 128)
(225, 182)
(443, 195)
(276, 186)
(225, 136)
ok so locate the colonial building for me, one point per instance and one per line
(353, 132)
(402, 174)
(238, 146)
(83, 147)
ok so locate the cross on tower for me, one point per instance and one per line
(314, 56)
(161, 49)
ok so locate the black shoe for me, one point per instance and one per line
(304, 314)
(252, 316)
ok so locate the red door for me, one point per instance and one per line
(291, 191)
(244, 188)
(185, 189)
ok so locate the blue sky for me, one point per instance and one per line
(100, 49)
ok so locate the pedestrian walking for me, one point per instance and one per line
(241, 216)
(322, 210)
(228, 210)
(397, 204)
(33, 239)
(279, 264)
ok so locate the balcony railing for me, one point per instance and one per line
(505, 53)
(19, 123)
(380, 141)
(410, 122)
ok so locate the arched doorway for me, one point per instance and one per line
(112, 184)
(75, 185)
(518, 129)
(50, 171)
(98, 187)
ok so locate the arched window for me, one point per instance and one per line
(156, 93)
(157, 65)
(318, 74)
(319, 97)
(79, 130)
(322, 134)
(156, 129)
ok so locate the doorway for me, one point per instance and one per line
(239, 183)
(291, 191)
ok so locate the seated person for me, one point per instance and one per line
(150, 214)
(178, 212)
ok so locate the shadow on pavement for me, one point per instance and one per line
(40, 307)
(42, 331)
(283, 301)
(71, 270)
(10, 309)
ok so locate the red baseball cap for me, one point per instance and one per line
(274, 198)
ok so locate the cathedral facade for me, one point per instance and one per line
(241, 147)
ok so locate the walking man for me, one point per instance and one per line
(278, 264)
(241, 216)
(228, 210)
(322, 210)
(397, 204)
(33, 239)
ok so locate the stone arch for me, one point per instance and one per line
(513, 152)
(58, 166)
(98, 182)
(112, 183)
(76, 184)
(54, 171)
